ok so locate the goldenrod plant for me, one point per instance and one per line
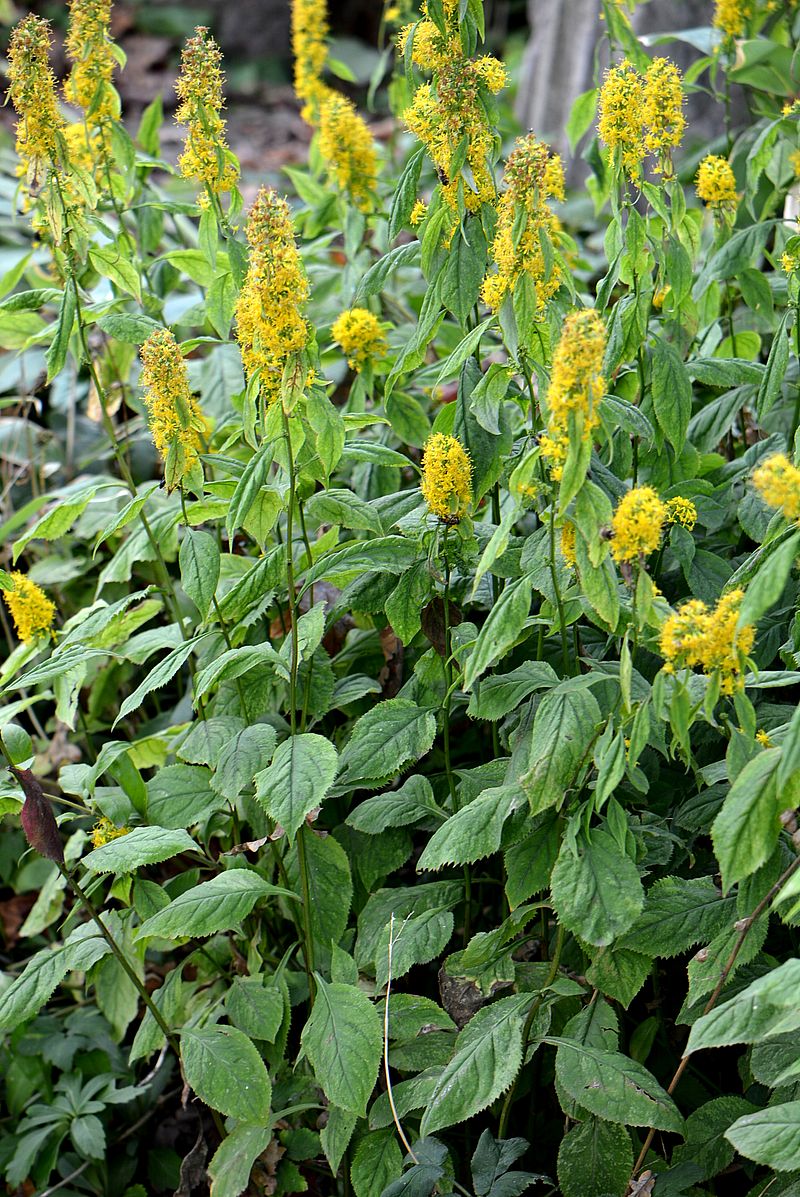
(399, 706)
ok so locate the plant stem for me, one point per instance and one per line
(559, 601)
(448, 672)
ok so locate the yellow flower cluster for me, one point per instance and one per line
(29, 607)
(347, 149)
(310, 49)
(568, 544)
(731, 16)
(636, 524)
(641, 114)
(40, 128)
(270, 324)
(206, 156)
(716, 183)
(711, 639)
(790, 259)
(446, 477)
(778, 483)
(532, 176)
(359, 334)
(177, 424)
(681, 511)
(104, 831)
(576, 384)
(450, 112)
(89, 48)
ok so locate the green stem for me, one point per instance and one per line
(559, 601)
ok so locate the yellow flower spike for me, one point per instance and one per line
(532, 177)
(663, 111)
(492, 72)
(359, 335)
(269, 320)
(446, 478)
(731, 16)
(778, 483)
(29, 607)
(430, 48)
(577, 384)
(89, 48)
(310, 31)
(40, 128)
(621, 115)
(681, 511)
(104, 831)
(695, 635)
(716, 183)
(568, 544)
(199, 89)
(347, 149)
(417, 214)
(177, 424)
(790, 261)
(637, 524)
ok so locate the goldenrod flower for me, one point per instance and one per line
(310, 48)
(40, 128)
(621, 120)
(359, 334)
(89, 48)
(104, 831)
(778, 483)
(568, 544)
(532, 176)
(731, 16)
(663, 111)
(763, 739)
(716, 183)
(177, 424)
(417, 214)
(681, 511)
(492, 72)
(637, 524)
(269, 320)
(790, 260)
(446, 477)
(696, 636)
(430, 48)
(347, 149)
(576, 384)
(29, 607)
(206, 156)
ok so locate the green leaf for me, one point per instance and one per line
(232, 1162)
(595, 1158)
(613, 1087)
(247, 754)
(376, 1163)
(180, 796)
(405, 196)
(764, 1009)
(487, 1058)
(109, 261)
(128, 328)
(387, 554)
(330, 887)
(385, 740)
(25, 996)
(568, 718)
(255, 1008)
(747, 827)
(226, 1072)
(413, 802)
(772, 381)
(336, 1135)
(59, 346)
(767, 585)
(415, 940)
(56, 522)
(671, 392)
(679, 912)
(581, 118)
(342, 507)
(465, 266)
(378, 275)
(596, 889)
(495, 696)
(343, 1040)
(473, 832)
(199, 561)
(298, 779)
(254, 476)
(770, 1137)
(142, 846)
(706, 1132)
(159, 676)
(216, 905)
(503, 627)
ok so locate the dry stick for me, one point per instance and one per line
(744, 926)
(389, 1093)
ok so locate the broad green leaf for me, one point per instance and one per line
(216, 905)
(772, 381)
(390, 554)
(301, 773)
(25, 996)
(679, 912)
(770, 1137)
(253, 477)
(413, 802)
(255, 1007)
(765, 1008)
(232, 1162)
(705, 1133)
(385, 740)
(473, 832)
(226, 1072)
(487, 1058)
(330, 887)
(494, 696)
(568, 718)
(342, 507)
(128, 328)
(613, 1087)
(109, 261)
(336, 1135)
(56, 522)
(595, 1158)
(142, 846)
(342, 1040)
(596, 890)
(503, 627)
(159, 676)
(376, 1163)
(247, 754)
(415, 940)
(671, 392)
(766, 586)
(59, 346)
(747, 827)
(200, 563)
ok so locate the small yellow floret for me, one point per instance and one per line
(359, 334)
(577, 384)
(310, 48)
(104, 831)
(696, 636)
(446, 477)
(568, 544)
(716, 183)
(731, 16)
(637, 524)
(89, 47)
(347, 149)
(663, 111)
(763, 739)
(681, 511)
(29, 607)
(777, 480)
(40, 128)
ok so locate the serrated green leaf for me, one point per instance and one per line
(298, 779)
(216, 905)
(142, 846)
(385, 740)
(613, 1087)
(596, 890)
(343, 1042)
(226, 1072)
(200, 564)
